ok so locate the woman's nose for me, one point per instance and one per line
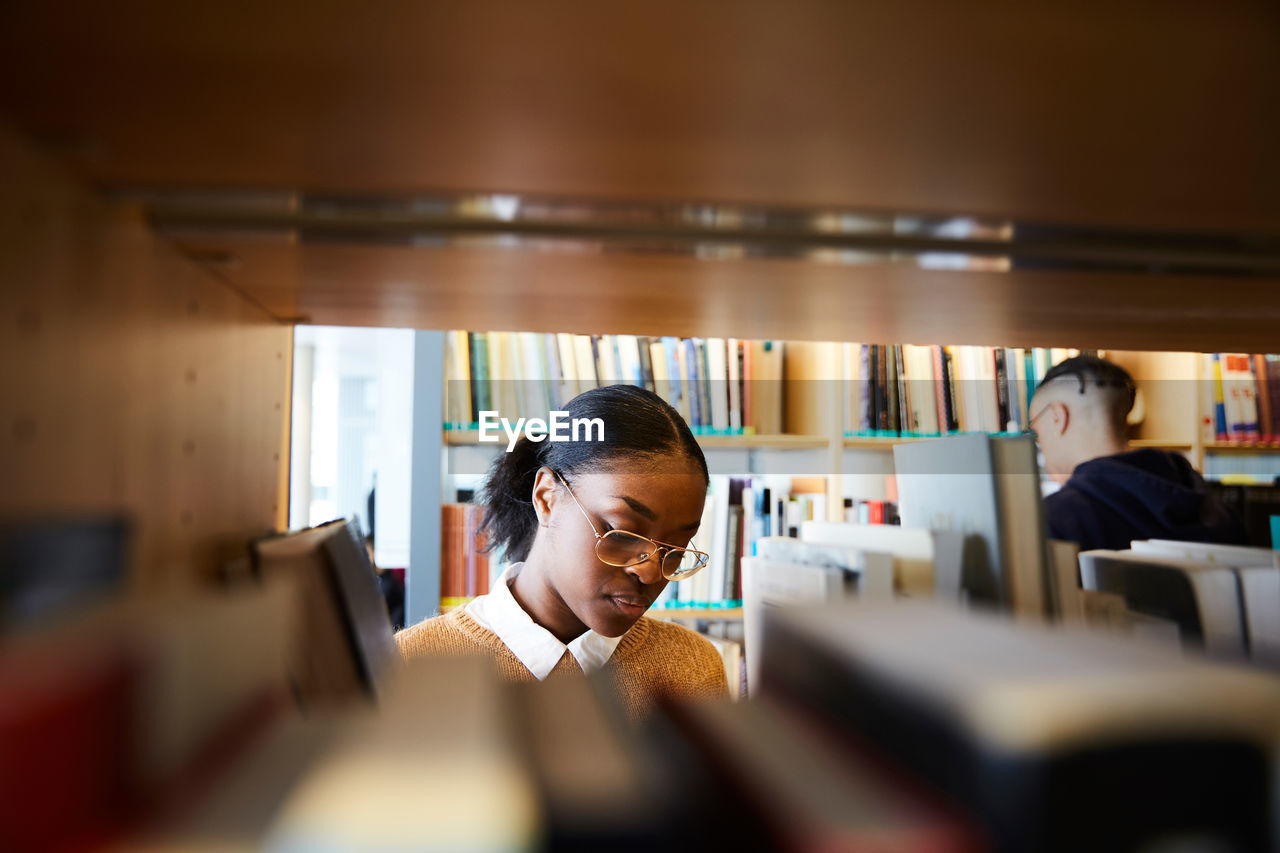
(650, 570)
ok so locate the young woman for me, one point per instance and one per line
(594, 531)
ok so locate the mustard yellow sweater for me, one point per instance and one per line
(653, 658)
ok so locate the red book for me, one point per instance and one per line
(68, 728)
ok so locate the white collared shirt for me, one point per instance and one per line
(535, 646)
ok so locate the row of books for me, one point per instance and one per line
(972, 750)
(902, 390)
(1246, 395)
(721, 386)
(464, 563)
(742, 511)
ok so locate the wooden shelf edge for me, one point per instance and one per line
(1139, 443)
(784, 441)
(888, 443)
(465, 437)
(727, 614)
(1242, 446)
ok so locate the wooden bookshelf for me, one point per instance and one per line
(887, 443)
(1243, 446)
(773, 442)
(709, 614)
(1157, 444)
(468, 437)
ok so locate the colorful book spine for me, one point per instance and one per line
(1219, 400)
(1239, 388)
(1263, 397)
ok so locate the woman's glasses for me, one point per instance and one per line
(622, 548)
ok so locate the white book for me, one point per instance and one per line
(735, 385)
(925, 562)
(871, 570)
(1258, 573)
(924, 401)
(851, 391)
(768, 584)
(718, 383)
(628, 359)
(969, 382)
(1209, 552)
(584, 358)
(609, 373)
(749, 536)
(988, 400)
(698, 588)
(1214, 592)
(717, 538)
(658, 361)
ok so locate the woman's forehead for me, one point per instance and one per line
(667, 485)
(647, 479)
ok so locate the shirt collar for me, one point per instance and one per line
(535, 646)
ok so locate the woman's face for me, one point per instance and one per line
(661, 500)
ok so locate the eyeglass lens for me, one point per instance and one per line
(620, 548)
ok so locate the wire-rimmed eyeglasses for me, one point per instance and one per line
(623, 548)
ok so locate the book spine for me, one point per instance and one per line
(705, 385)
(599, 361)
(866, 386)
(937, 357)
(674, 350)
(693, 383)
(469, 541)
(480, 389)
(1219, 400)
(1264, 397)
(955, 406)
(645, 352)
(879, 365)
(906, 412)
(1272, 378)
(1002, 390)
(733, 367)
(891, 390)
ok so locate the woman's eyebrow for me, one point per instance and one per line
(637, 507)
(640, 509)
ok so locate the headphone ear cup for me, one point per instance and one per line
(1139, 411)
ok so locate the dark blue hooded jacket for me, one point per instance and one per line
(1141, 494)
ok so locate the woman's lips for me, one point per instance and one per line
(630, 606)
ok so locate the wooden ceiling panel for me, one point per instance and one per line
(1138, 113)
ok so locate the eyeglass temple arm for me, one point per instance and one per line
(581, 508)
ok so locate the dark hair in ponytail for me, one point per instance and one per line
(638, 424)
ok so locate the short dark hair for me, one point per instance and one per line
(1114, 382)
(638, 425)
